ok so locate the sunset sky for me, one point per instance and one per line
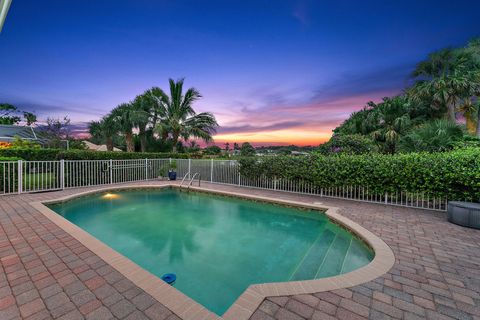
(273, 72)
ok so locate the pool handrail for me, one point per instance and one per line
(193, 178)
(184, 177)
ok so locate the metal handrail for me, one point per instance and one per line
(184, 177)
(193, 178)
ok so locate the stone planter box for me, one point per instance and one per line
(465, 214)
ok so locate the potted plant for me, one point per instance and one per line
(172, 174)
(163, 172)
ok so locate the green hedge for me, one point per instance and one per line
(8, 172)
(455, 175)
(10, 158)
(57, 154)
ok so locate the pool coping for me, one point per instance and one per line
(246, 304)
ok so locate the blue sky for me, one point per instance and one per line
(271, 71)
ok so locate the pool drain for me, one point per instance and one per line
(169, 278)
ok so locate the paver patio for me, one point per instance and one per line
(47, 274)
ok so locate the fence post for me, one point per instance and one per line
(146, 169)
(386, 197)
(20, 175)
(189, 168)
(62, 174)
(211, 170)
(111, 171)
(275, 183)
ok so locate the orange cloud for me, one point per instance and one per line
(298, 136)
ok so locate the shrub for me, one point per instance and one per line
(212, 150)
(454, 175)
(433, 136)
(8, 173)
(57, 154)
(247, 150)
(348, 144)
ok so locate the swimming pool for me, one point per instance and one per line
(216, 245)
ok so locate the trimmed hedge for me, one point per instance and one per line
(58, 154)
(454, 175)
(10, 158)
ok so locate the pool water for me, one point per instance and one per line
(216, 245)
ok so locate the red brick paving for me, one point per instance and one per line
(47, 274)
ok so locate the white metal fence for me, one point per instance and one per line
(37, 176)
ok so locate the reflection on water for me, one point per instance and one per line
(216, 245)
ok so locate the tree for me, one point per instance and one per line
(446, 92)
(449, 79)
(227, 147)
(126, 117)
(10, 114)
(470, 112)
(213, 150)
(105, 130)
(193, 146)
(348, 144)
(56, 130)
(149, 107)
(247, 150)
(179, 119)
(30, 118)
(433, 136)
(236, 146)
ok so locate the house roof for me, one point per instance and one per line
(96, 147)
(4, 6)
(9, 132)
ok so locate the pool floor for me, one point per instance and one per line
(217, 246)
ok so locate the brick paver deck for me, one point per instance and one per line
(47, 274)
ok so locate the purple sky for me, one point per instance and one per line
(273, 72)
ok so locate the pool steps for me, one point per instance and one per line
(326, 257)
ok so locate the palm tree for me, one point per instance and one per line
(127, 118)
(392, 119)
(150, 107)
(469, 110)
(449, 79)
(445, 92)
(478, 121)
(179, 120)
(438, 63)
(105, 129)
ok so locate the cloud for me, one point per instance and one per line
(286, 114)
(391, 78)
(250, 128)
(300, 12)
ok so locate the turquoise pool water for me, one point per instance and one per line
(216, 245)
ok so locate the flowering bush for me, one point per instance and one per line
(5, 145)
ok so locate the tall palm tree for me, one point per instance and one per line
(127, 118)
(469, 110)
(148, 106)
(449, 79)
(438, 64)
(446, 92)
(179, 119)
(106, 128)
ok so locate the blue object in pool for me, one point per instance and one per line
(169, 278)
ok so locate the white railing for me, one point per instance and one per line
(36, 176)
